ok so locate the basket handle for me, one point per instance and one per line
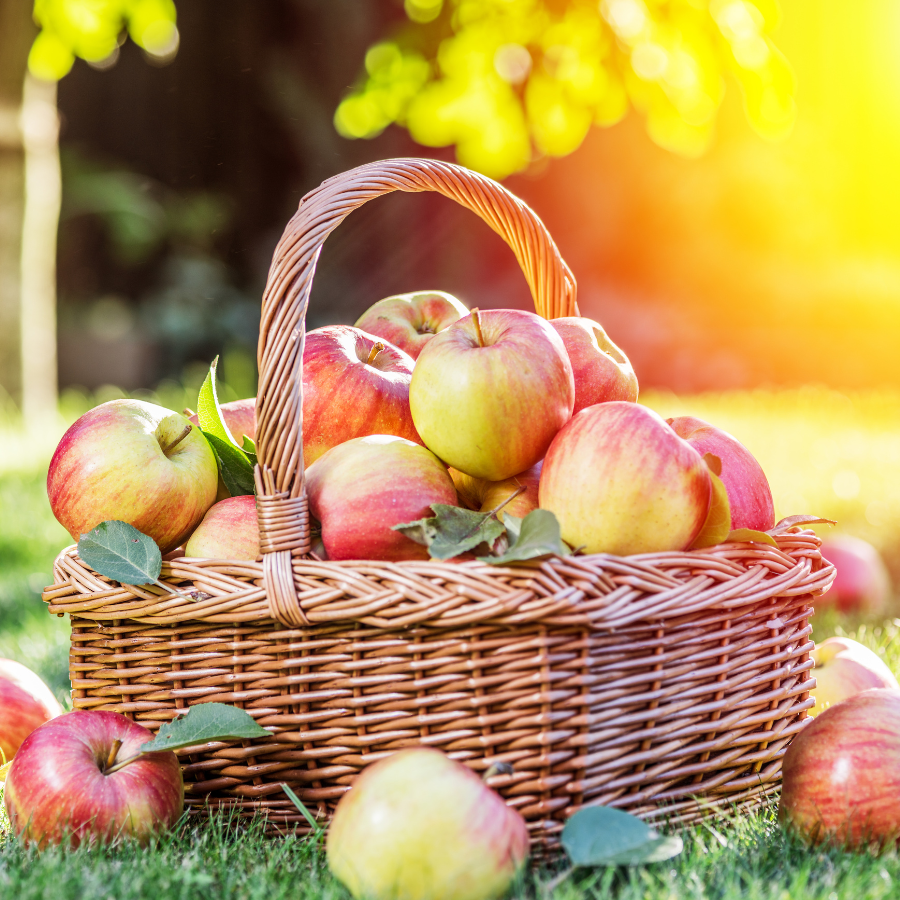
(281, 496)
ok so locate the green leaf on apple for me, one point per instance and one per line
(748, 535)
(793, 521)
(209, 413)
(534, 536)
(602, 836)
(250, 449)
(717, 526)
(203, 723)
(234, 465)
(452, 530)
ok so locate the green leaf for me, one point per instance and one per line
(743, 535)
(717, 526)
(536, 535)
(121, 552)
(209, 413)
(234, 466)
(792, 521)
(452, 530)
(203, 723)
(250, 449)
(601, 836)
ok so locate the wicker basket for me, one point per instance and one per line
(667, 684)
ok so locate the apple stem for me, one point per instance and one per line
(476, 318)
(187, 411)
(376, 349)
(112, 754)
(519, 490)
(170, 447)
(122, 763)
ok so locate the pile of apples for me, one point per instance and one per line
(420, 403)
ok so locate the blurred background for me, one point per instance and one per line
(720, 175)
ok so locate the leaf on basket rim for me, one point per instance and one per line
(203, 723)
(749, 535)
(717, 526)
(536, 535)
(234, 466)
(603, 836)
(452, 530)
(794, 521)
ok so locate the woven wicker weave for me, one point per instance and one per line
(667, 684)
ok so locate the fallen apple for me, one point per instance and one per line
(845, 667)
(25, 703)
(410, 321)
(419, 826)
(136, 462)
(861, 582)
(229, 530)
(64, 785)
(841, 773)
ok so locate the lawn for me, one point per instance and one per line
(836, 455)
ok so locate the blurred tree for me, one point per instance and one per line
(510, 81)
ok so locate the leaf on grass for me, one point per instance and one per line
(121, 552)
(209, 413)
(4, 771)
(744, 535)
(452, 530)
(234, 466)
(536, 535)
(792, 521)
(203, 723)
(601, 836)
(717, 526)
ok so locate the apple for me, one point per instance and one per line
(621, 481)
(745, 482)
(601, 370)
(841, 773)
(862, 582)
(353, 384)
(362, 487)
(239, 416)
(843, 668)
(485, 496)
(410, 321)
(419, 826)
(490, 392)
(136, 462)
(25, 703)
(61, 787)
(229, 530)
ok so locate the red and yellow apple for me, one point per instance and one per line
(61, 787)
(353, 384)
(621, 481)
(419, 826)
(845, 667)
(410, 321)
(239, 416)
(861, 582)
(361, 488)
(229, 530)
(745, 482)
(841, 773)
(136, 462)
(484, 496)
(601, 370)
(490, 392)
(25, 703)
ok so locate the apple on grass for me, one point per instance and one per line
(841, 773)
(419, 826)
(621, 481)
(361, 488)
(601, 370)
(410, 321)
(861, 582)
(489, 393)
(25, 703)
(353, 384)
(485, 496)
(136, 462)
(65, 786)
(229, 530)
(749, 495)
(845, 667)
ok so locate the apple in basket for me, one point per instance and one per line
(621, 481)
(361, 488)
(841, 773)
(861, 582)
(745, 482)
(229, 530)
(419, 826)
(602, 371)
(843, 668)
(483, 495)
(490, 392)
(25, 703)
(410, 321)
(239, 416)
(136, 462)
(353, 384)
(63, 785)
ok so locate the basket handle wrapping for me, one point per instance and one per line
(281, 496)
